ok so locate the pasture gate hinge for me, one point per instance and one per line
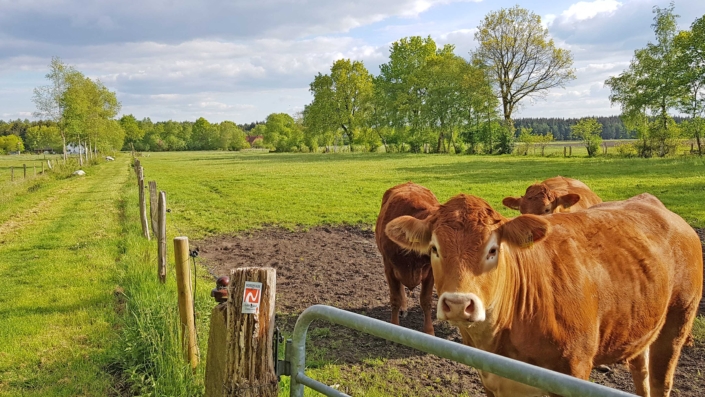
(283, 367)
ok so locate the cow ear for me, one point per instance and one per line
(512, 202)
(525, 230)
(410, 233)
(568, 200)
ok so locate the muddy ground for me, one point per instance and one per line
(341, 267)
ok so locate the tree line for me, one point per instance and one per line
(666, 76)
(424, 99)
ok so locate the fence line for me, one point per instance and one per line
(550, 381)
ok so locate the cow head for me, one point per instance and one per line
(539, 199)
(465, 238)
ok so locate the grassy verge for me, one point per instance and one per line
(149, 352)
(57, 276)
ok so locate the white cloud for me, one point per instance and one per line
(585, 10)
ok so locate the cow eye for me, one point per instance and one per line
(493, 251)
(434, 250)
(547, 210)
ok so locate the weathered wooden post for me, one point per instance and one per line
(143, 204)
(161, 237)
(24, 166)
(215, 361)
(153, 203)
(42, 168)
(570, 151)
(183, 285)
(250, 367)
(565, 151)
(137, 166)
(12, 173)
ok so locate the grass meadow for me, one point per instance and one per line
(82, 310)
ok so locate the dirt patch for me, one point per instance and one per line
(341, 267)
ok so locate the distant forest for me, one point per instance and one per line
(612, 127)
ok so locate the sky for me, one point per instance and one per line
(242, 60)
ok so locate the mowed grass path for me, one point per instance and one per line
(58, 252)
(224, 192)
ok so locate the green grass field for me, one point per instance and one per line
(224, 192)
(83, 313)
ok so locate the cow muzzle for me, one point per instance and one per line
(456, 306)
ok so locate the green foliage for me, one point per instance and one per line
(652, 85)
(204, 135)
(282, 133)
(589, 131)
(11, 143)
(521, 56)
(341, 103)
(690, 49)
(133, 132)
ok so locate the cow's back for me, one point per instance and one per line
(625, 265)
(563, 185)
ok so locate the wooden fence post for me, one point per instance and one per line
(161, 237)
(183, 285)
(250, 368)
(565, 151)
(12, 173)
(570, 151)
(153, 203)
(24, 166)
(143, 204)
(215, 362)
(42, 168)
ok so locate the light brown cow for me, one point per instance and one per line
(618, 281)
(559, 194)
(403, 267)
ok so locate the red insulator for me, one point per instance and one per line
(222, 282)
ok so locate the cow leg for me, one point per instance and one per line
(426, 298)
(397, 295)
(665, 350)
(639, 367)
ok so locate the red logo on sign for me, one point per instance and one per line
(252, 295)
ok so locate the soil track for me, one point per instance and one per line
(341, 267)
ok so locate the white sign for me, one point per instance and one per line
(251, 297)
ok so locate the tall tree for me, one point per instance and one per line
(341, 100)
(88, 107)
(523, 58)
(651, 85)
(48, 98)
(690, 47)
(402, 87)
(446, 105)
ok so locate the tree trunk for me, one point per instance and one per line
(63, 138)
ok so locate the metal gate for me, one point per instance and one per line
(541, 378)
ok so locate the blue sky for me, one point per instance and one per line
(242, 60)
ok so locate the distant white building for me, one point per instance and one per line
(72, 148)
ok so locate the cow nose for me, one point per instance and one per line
(460, 307)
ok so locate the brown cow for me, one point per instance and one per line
(559, 194)
(402, 266)
(618, 281)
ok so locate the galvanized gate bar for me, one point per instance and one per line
(541, 378)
